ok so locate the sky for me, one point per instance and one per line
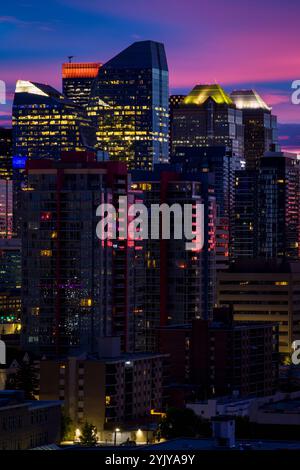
(237, 43)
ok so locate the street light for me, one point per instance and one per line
(115, 440)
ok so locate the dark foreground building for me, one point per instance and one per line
(222, 357)
(27, 424)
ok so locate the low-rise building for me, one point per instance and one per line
(111, 392)
(27, 424)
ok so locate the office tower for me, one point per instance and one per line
(112, 391)
(10, 286)
(70, 276)
(246, 214)
(129, 105)
(5, 153)
(179, 283)
(174, 102)
(260, 126)
(220, 358)
(279, 207)
(6, 208)
(208, 117)
(222, 165)
(77, 80)
(264, 290)
(45, 123)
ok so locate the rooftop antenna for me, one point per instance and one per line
(70, 57)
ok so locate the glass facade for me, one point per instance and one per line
(129, 105)
(77, 81)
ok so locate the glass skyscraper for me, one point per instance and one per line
(208, 117)
(260, 126)
(129, 105)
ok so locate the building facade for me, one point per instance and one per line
(208, 117)
(129, 105)
(10, 286)
(77, 80)
(5, 153)
(27, 424)
(179, 283)
(268, 291)
(76, 288)
(220, 358)
(109, 392)
(222, 165)
(260, 126)
(278, 205)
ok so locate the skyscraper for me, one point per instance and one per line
(174, 102)
(10, 286)
(179, 284)
(129, 105)
(77, 80)
(279, 205)
(76, 288)
(221, 164)
(260, 126)
(208, 117)
(6, 208)
(5, 153)
(246, 215)
(45, 123)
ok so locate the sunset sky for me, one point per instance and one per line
(239, 44)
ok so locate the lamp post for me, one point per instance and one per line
(115, 439)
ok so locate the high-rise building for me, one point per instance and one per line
(208, 117)
(174, 102)
(279, 205)
(129, 105)
(246, 215)
(10, 286)
(45, 123)
(222, 165)
(260, 126)
(179, 283)
(268, 291)
(77, 80)
(5, 153)
(6, 208)
(76, 288)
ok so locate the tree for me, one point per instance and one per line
(88, 435)
(24, 379)
(67, 428)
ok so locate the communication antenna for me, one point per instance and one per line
(70, 57)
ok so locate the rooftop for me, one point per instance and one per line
(201, 93)
(248, 99)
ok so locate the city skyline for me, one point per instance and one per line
(204, 44)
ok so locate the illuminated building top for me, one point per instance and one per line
(201, 93)
(80, 70)
(248, 99)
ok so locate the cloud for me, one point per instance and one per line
(13, 20)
